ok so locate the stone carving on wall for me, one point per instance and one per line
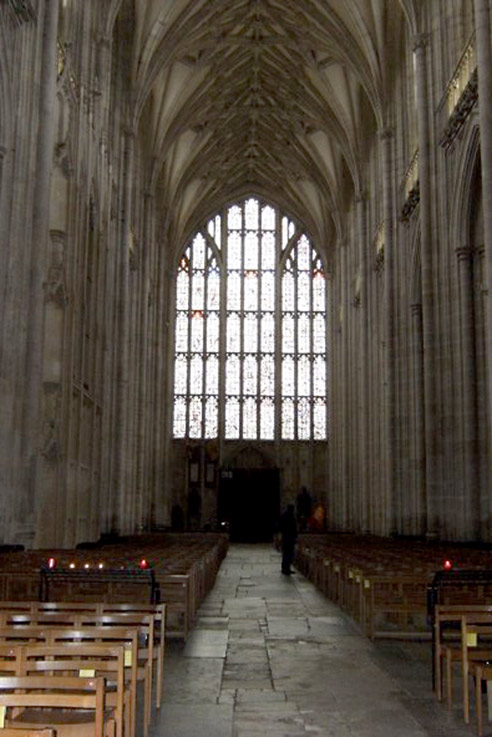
(55, 289)
(411, 203)
(463, 108)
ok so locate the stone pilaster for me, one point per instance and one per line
(420, 503)
(121, 449)
(363, 426)
(144, 419)
(471, 502)
(389, 524)
(427, 272)
(484, 63)
(31, 430)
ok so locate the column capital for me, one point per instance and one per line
(105, 41)
(129, 132)
(386, 133)
(420, 42)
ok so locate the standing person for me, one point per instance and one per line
(288, 530)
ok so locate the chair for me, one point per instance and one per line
(88, 660)
(6, 732)
(27, 732)
(75, 705)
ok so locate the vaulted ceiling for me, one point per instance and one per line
(275, 97)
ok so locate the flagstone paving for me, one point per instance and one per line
(271, 656)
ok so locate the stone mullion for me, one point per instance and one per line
(241, 333)
(123, 358)
(427, 267)
(484, 64)
(363, 429)
(222, 332)
(278, 398)
(470, 510)
(204, 362)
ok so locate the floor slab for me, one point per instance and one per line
(272, 657)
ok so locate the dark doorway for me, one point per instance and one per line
(249, 501)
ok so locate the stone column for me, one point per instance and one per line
(428, 320)
(484, 63)
(389, 524)
(4, 251)
(121, 449)
(471, 502)
(343, 388)
(419, 505)
(144, 419)
(31, 432)
(363, 426)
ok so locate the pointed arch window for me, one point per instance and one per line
(251, 330)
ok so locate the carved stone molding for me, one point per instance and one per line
(54, 288)
(386, 134)
(411, 203)
(21, 11)
(463, 108)
(420, 41)
(379, 261)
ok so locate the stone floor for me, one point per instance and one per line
(270, 656)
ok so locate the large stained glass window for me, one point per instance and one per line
(251, 341)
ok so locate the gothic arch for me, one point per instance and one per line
(462, 200)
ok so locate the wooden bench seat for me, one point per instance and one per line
(87, 660)
(6, 732)
(383, 583)
(127, 638)
(148, 620)
(75, 707)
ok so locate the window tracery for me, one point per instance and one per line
(267, 327)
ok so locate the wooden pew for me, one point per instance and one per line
(75, 705)
(128, 638)
(88, 660)
(72, 614)
(75, 618)
(448, 619)
(6, 732)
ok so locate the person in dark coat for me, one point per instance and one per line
(288, 531)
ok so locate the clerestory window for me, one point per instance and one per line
(251, 330)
